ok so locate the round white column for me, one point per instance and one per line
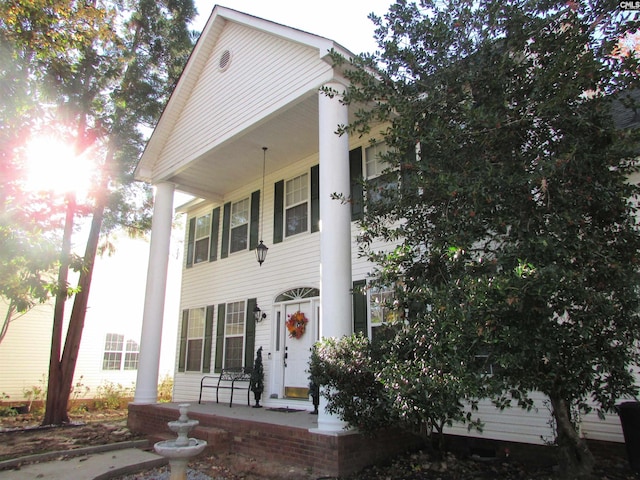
(335, 231)
(152, 317)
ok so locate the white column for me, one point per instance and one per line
(335, 231)
(152, 317)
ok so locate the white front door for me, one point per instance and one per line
(297, 349)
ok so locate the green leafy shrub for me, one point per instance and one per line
(346, 370)
(165, 389)
(111, 396)
(36, 396)
(6, 411)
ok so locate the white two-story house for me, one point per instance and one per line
(250, 134)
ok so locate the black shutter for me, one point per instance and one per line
(226, 224)
(315, 198)
(250, 334)
(278, 211)
(208, 333)
(182, 356)
(215, 227)
(359, 307)
(191, 242)
(355, 175)
(255, 220)
(220, 339)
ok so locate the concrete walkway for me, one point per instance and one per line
(91, 463)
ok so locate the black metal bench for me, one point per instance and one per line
(228, 379)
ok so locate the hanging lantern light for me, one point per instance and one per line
(261, 249)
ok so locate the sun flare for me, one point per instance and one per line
(52, 165)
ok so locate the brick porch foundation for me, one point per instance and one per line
(327, 454)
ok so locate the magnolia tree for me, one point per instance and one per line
(507, 196)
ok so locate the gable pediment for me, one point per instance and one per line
(248, 82)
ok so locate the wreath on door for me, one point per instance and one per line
(296, 324)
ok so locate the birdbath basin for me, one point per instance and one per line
(181, 449)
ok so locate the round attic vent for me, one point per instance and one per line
(225, 60)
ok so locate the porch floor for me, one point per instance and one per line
(298, 416)
(290, 438)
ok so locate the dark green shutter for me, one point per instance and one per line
(182, 357)
(191, 242)
(215, 227)
(359, 307)
(250, 334)
(220, 339)
(278, 211)
(226, 224)
(208, 333)
(315, 198)
(255, 220)
(355, 175)
(406, 171)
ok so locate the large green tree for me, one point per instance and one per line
(508, 200)
(101, 71)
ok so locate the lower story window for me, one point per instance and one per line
(112, 351)
(131, 355)
(381, 308)
(115, 353)
(234, 335)
(195, 340)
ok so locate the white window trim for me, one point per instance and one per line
(190, 337)
(196, 238)
(243, 316)
(232, 225)
(287, 207)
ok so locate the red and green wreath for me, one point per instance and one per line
(296, 324)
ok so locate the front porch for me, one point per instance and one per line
(287, 436)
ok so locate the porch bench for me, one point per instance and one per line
(228, 379)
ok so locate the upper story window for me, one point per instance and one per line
(379, 179)
(234, 335)
(203, 230)
(240, 212)
(297, 205)
(374, 164)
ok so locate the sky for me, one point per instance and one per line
(344, 21)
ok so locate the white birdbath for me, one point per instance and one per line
(180, 450)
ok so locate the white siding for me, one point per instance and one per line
(266, 72)
(295, 263)
(24, 352)
(115, 306)
(292, 263)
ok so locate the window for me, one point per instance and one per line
(112, 351)
(195, 339)
(377, 180)
(234, 335)
(375, 165)
(131, 355)
(239, 225)
(484, 362)
(380, 308)
(203, 230)
(297, 205)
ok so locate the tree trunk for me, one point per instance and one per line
(11, 309)
(576, 460)
(52, 407)
(61, 370)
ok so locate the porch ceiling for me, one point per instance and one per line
(290, 135)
